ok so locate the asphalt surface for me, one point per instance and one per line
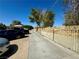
(40, 48)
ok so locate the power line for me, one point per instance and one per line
(56, 1)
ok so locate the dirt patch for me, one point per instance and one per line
(22, 51)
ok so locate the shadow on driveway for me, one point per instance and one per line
(13, 49)
(19, 38)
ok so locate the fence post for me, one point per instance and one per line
(53, 34)
(78, 40)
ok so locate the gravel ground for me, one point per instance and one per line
(20, 48)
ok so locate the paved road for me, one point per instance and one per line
(40, 48)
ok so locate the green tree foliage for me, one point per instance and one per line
(67, 4)
(28, 26)
(65, 1)
(71, 15)
(35, 16)
(69, 19)
(2, 26)
(16, 22)
(48, 19)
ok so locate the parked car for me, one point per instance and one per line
(2, 33)
(12, 33)
(19, 32)
(30, 28)
(4, 45)
(15, 33)
(26, 31)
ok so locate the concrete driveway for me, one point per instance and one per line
(18, 49)
(36, 47)
(41, 48)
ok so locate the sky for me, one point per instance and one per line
(20, 10)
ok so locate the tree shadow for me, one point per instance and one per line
(12, 50)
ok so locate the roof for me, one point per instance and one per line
(18, 26)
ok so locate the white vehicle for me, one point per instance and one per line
(4, 45)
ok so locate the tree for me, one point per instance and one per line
(71, 15)
(16, 22)
(2, 26)
(28, 27)
(48, 19)
(35, 16)
(67, 4)
(69, 19)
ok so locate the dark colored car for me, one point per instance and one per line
(26, 31)
(13, 33)
(19, 32)
(30, 28)
(2, 33)
(10, 34)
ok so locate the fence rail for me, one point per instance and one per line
(66, 36)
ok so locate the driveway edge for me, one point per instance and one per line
(70, 52)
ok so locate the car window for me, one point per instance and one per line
(2, 31)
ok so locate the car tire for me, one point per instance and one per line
(18, 37)
(23, 35)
